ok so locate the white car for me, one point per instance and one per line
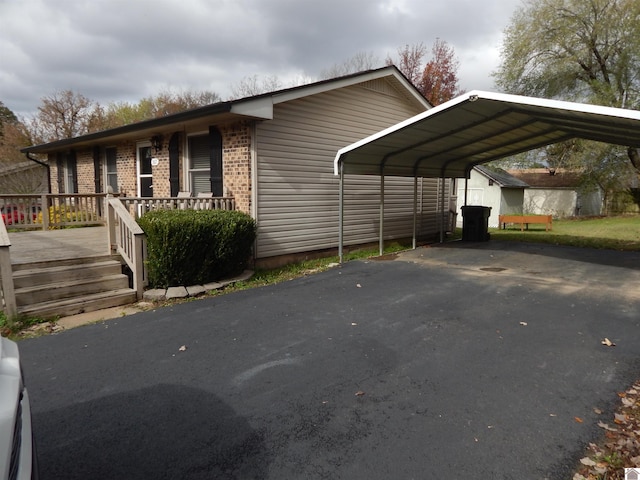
(17, 452)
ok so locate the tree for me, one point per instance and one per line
(64, 114)
(437, 80)
(360, 62)
(17, 174)
(409, 62)
(580, 50)
(255, 85)
(167, 102)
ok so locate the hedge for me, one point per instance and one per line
(193, 247)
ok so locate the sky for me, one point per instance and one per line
(126, 50)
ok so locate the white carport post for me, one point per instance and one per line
(442, 217)
(415, 209)
(381, 241)
(341, 213)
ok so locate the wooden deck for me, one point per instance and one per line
(37, 246)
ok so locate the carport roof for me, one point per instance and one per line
(478, 127)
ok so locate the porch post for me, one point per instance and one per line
(112, 244)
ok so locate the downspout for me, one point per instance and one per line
(45, 165)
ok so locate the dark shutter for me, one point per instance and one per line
(60, 168)
(97, 171)
(215, 159)
(174, 164)
(73, 166)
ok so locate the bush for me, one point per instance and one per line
(190, 247)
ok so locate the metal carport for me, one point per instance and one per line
(474, 128)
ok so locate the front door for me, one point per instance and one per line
(145, 171)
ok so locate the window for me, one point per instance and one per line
(67, 172)
(205, 163)
(112, 170)
(199, 164)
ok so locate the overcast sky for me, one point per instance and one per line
(125, 50)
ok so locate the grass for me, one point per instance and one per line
(263, 277)
(612, 233)
(11, 328)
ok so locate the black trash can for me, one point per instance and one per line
(475, 223)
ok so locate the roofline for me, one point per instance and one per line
(213, 109)
(257, 106)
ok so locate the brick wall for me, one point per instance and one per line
(236, 161)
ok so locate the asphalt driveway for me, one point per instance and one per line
(456, 361)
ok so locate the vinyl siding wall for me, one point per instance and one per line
(297, 192)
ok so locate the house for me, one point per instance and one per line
(22, 177)
(557, 192)
(495, 188)
(272, 153)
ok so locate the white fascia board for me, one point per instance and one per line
(587, 108)
(257, 108)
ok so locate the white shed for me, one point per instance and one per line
(493, 188)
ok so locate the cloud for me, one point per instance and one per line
(122, 50)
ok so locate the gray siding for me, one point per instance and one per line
(297, 192)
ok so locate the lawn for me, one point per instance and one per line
(615, 233)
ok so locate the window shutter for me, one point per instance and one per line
(60, 168)
(73, 166)
(97, 171)
(215, 161)
(174, 164)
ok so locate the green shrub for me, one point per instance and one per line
(190, 247)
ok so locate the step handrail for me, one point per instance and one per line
(6, 273)
(127, 239)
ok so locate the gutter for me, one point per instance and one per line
(45, 165)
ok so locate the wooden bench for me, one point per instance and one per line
(525, 220)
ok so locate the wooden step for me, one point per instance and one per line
(17, 267)
(69, 289)
(74, 306)
(51, 274)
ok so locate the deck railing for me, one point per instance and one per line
(50, 211)
(6, 272)
(139, 206)
(46, 211)
(127, 239)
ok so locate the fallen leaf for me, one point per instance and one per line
(359, 393)
(608, 343)
(182, 348)
(597, 411)
(620, 419)
(578, 419)
(588, 462)
(524, 324)
(607, 427)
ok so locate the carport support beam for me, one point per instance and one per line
(381, 212)
(442, 219)
(341, 214)
(415, 209)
